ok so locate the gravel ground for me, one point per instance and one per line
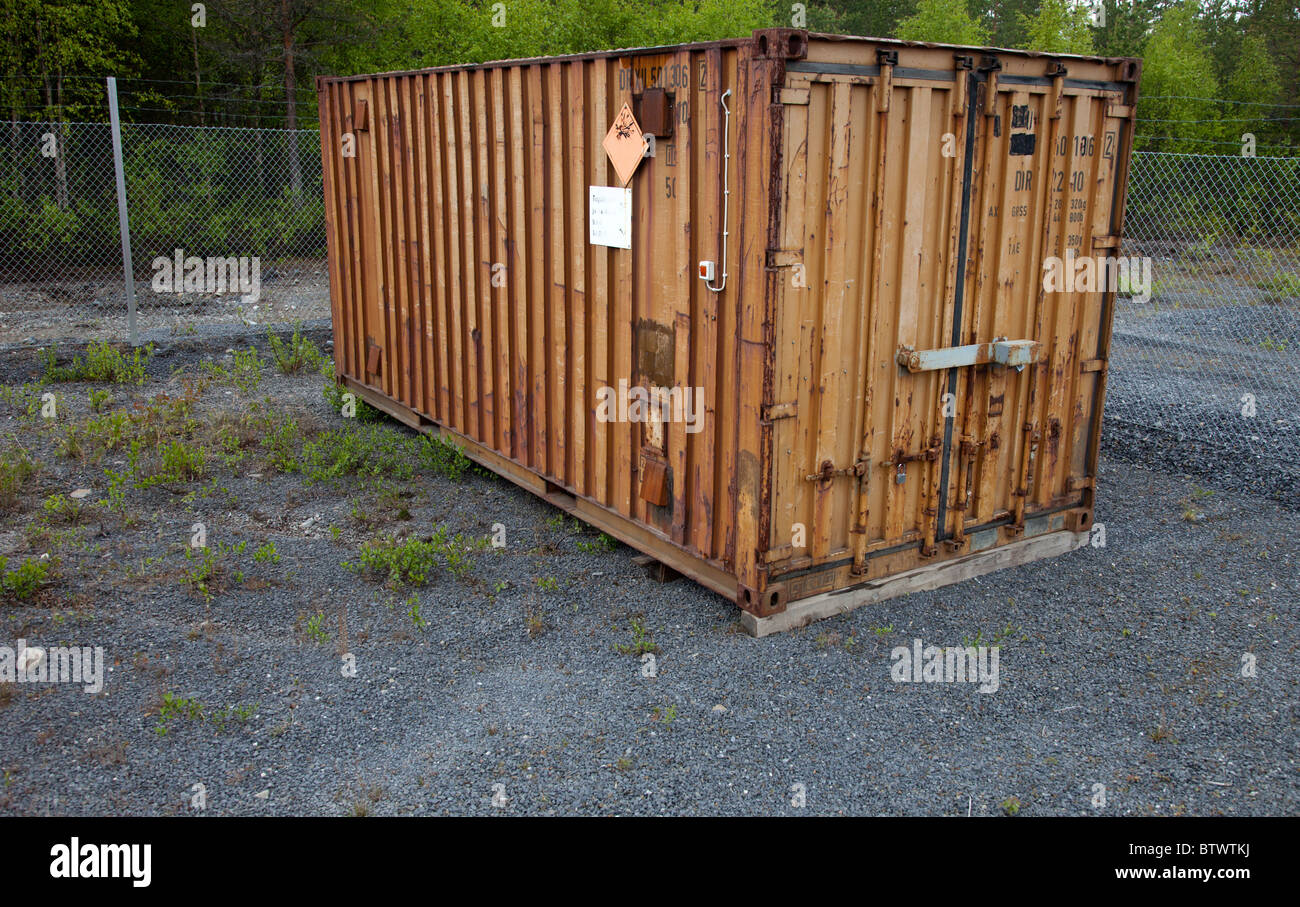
(1119, 665)
(88, 304)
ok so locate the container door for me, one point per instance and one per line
(1023, 375)
(874, 164)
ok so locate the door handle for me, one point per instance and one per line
(1014, 353)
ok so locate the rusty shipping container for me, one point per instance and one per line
(828, 266)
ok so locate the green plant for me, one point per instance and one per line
(174, 707)
(266, 554)
(206, 572)
(100, 399)
(641, 641)
(444, 458)
(100, 363)
(548, 583)
(413, 610)
(60, 508)
(16, 468)
(293, 355)
(245, 371)
(315, 629)
(412, 561)
(337, 396)
(665, 715)
(602, 542)
(1011, 806)
(181, 461)
(25, 580)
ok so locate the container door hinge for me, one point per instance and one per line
(774, 411)
(1110, 241)
(828, 471)
(1078, 483)
(1092, 365)
(784, 258)
(793, 96)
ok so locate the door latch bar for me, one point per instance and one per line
(1014, 353)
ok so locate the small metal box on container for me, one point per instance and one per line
(834, 329)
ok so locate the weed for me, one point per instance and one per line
(665, 715)
(411, 562)
(293, 355)
(16, 468)
(602, 542)
(333, 393)
(181, 461)
(245, 371)
(533, 622)
(206, 574)
(444, 458)
(315, 629)
(25, 580)
(413, 611)
(368, 451)
(60, 508)
(267, 554)
(1011, 806)
(548, 583)
(641, 641)
(100, 400)
(99, 363)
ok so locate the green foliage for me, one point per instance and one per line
(100, 362)
(315, 629)
(16, 468)
(245, 371)
(601, 543)
(334, 395)
(1058, 27)
(1177, 66)
(943, 21)
(267, 554)
(293, 355)
(413, 561)
(641, 641)
(25, 580)
(206, 570)
(180, 461)
(443, 457)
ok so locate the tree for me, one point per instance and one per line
(1058, 27)
(1178, 68)
(61, 45)
(944, 22)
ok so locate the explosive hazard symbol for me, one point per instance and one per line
(624, 144)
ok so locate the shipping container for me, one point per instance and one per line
(814, 320)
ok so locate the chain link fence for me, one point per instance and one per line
(227, 231)
(1208, 367)
(1207, 363)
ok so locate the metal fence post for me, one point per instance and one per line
(123, 222)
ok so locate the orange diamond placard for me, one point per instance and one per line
(624, 144)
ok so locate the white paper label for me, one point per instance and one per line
(610, 217)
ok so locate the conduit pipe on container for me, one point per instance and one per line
(726, 188)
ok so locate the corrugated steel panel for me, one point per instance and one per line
(882, 196)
